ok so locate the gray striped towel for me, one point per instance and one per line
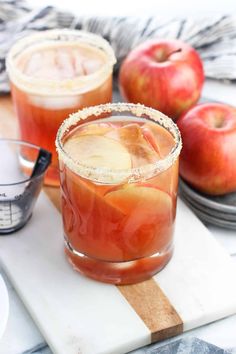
(214, 38)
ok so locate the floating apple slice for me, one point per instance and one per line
(99, 151)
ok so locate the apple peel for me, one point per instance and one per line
(149, 200)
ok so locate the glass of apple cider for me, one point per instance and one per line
(119, 177)
(54, 73)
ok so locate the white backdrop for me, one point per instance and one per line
(143, 7)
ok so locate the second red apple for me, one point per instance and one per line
(208, 158)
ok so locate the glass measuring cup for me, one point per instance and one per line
(21, 175)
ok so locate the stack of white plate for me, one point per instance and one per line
(216, 210)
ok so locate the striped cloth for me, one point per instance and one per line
(214, 38)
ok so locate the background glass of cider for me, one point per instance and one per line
(119, 177)
(54, 73)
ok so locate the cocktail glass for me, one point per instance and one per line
(54, 73)
(119, 177)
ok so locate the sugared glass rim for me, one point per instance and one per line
(106, 175)
(50, 87)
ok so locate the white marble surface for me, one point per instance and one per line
(198, 280)
(21, 333)
(227, 238)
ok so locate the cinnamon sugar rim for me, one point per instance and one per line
(107, 175)
(79, 84)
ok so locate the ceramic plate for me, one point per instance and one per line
(212, 212)
(225, 204)
(4, 306)
(207, 218)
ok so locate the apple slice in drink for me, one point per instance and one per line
(147, 227)
(89, 221)
(130, 197)
(150, 138)
(98, 151)
(167, 180)
(93, 151)
(86, 209)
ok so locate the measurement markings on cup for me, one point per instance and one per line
(10, 214)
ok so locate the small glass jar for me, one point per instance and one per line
(119, 198)
(53, 74)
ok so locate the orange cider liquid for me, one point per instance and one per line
(119, 232)
(41, 115)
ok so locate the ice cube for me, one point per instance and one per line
(60, 63)
(78, 62)
(91, 65)
(33, 64)
(163, 138)
(48, 68)
(64, 64)
(141, 154)
(141, 150)
(130, 133)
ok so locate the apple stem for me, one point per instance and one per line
(162, 56)
(175, 51)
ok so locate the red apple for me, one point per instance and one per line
(163, 74)
(208, 158)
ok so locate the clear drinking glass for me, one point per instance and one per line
(119, 177)
(54, 73)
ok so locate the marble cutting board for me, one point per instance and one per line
(79, 315)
